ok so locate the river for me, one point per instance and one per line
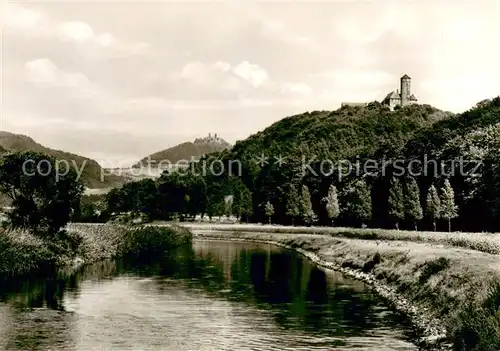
(211, 296)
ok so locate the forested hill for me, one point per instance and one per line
(91, 176)
(341, 134)
(459, 188)
(186, 151)
(375, 133)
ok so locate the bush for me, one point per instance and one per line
(479, 328)
(22, 252)
(152, 240)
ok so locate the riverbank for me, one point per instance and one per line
(484, 242)
(451, 294)
(24, 253)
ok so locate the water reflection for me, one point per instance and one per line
(212, 295)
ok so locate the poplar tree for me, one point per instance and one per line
(396, 202)
(433, 205)
(228, 205)
(332, 203)
(307, 211)
(448, 209)
(412, 201)
(269, 210)
(359, 202)
(293, 204)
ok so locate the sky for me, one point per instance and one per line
(117, 81)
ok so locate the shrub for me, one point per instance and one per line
(152, 240)
(478, 329)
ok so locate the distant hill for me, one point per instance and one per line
(91, 176)
(186, 151)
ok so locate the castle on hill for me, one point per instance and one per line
(394, 98)
(209, 139)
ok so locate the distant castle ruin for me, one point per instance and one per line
(394, 98)
(209, 139)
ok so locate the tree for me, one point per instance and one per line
(228, 208)
(307, 211)
(181, 194)
(269, 210)
(293, 203)
(358, 202)
(332, 203)
(412, 201)
(396, 202)
(448, 209)
(90, 209)
(433, 205)
(242, 202)
(44, 197)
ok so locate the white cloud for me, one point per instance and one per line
(105, 39)
(86, 65)
(215, 76)
(223, 66)
(253, 74)
(44, 71)
(76, 30)
(81, 32)
(300, 88)
(20, 18)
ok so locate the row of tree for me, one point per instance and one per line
(404, 203)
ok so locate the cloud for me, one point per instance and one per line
(300, 88)
(44, 71)
(76, 30)
(253, 74)
(21, 20)
(83, 69)
(81, 32)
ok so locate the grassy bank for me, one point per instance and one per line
(484, 242)
(22, 253)
(451, 293)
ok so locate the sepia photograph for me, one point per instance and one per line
(250, 175)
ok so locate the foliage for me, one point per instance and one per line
(22, 252)
(396, 201)
(228, 209)
(448, 208)
(242, 201)
(479, 326)
(358, 203)
(269, 210)
(413, 207)
(306, 209)
(332, 203)
(433, 205)
(147, 241)
(293, 203)
(42, 200)
(349, 134)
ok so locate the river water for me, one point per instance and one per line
(211, 296)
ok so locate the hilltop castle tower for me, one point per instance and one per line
(394, 98)
(404, 98)
(405, 89)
